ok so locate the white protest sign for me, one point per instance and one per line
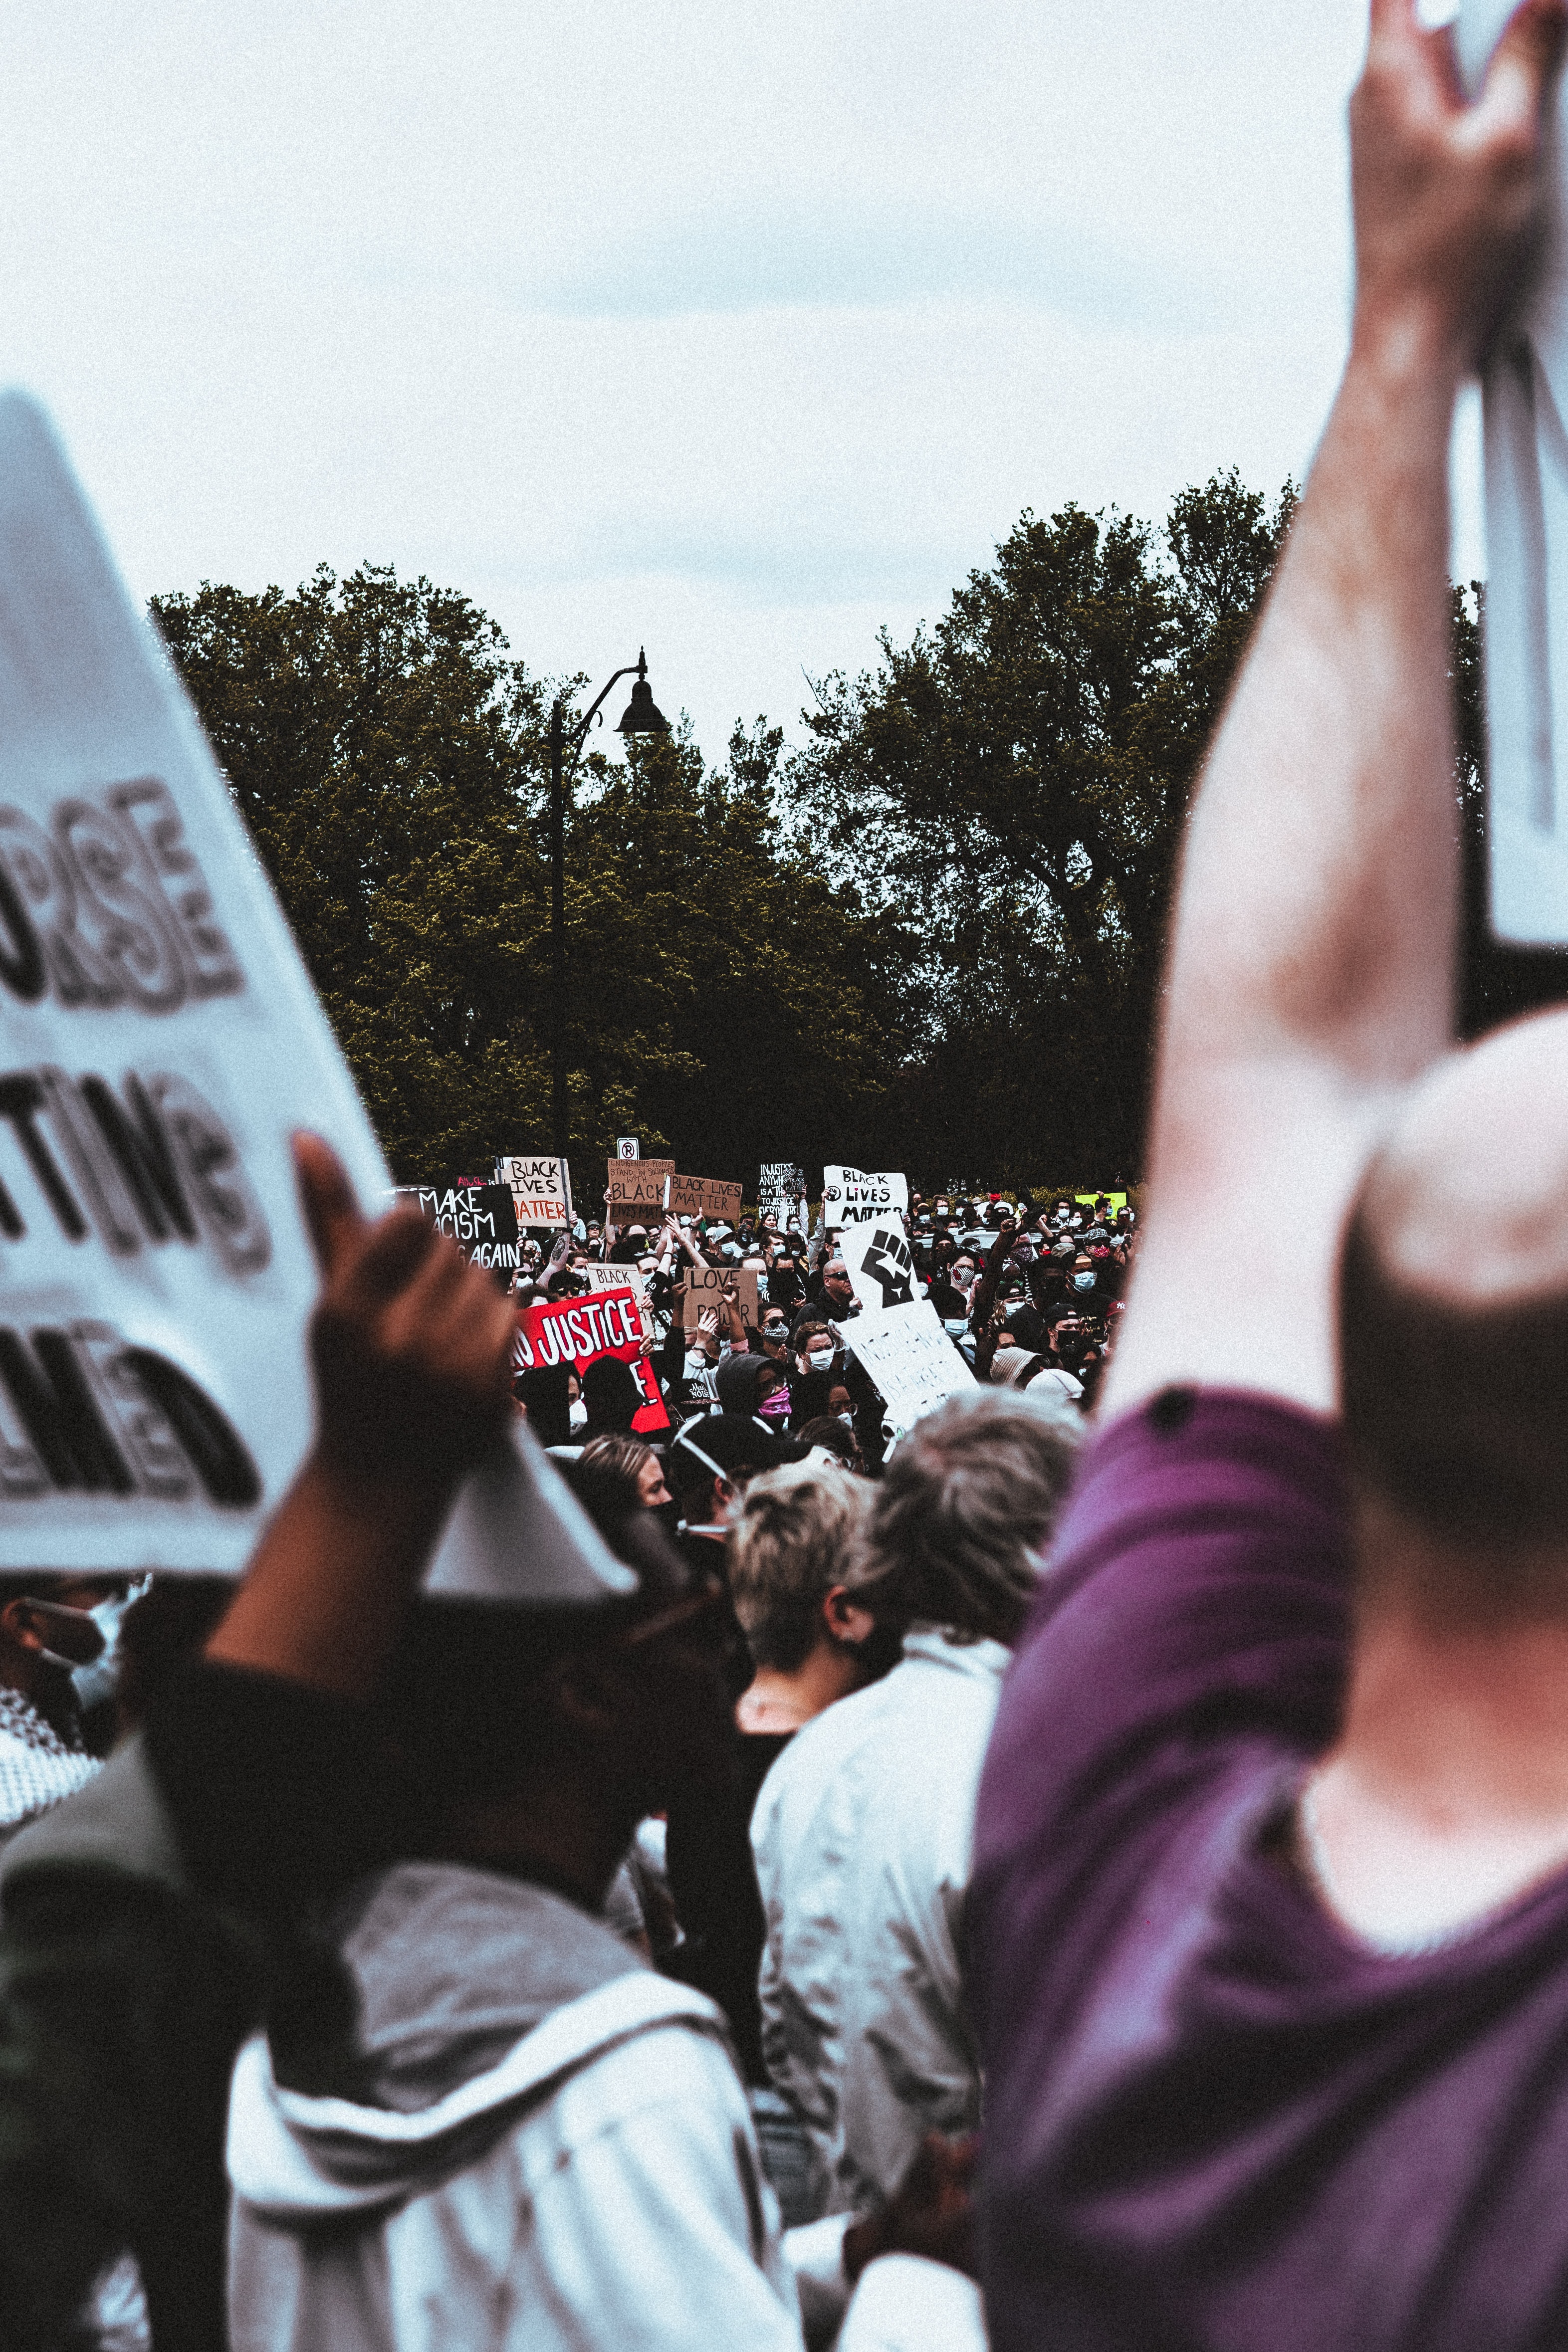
(781, 1186)
(878, 1260)
(913, 1362)
(540, 1189)
(850, 1195)
(618, 1277)
(163, 1042)
(897, 1335)
(1524, 398)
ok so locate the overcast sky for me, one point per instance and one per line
(738, 330)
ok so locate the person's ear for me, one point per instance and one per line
(47, 1625)
(845, 1618)
(18, 1626)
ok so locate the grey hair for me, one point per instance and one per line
(966, 1507)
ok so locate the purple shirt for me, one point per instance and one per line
(1213, 2118)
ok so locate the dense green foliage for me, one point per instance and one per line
(724, 1001)
(1015, 781)
(930, 939)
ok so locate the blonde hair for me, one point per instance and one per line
(790, 1545)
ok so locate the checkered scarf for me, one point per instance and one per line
(36, 1767)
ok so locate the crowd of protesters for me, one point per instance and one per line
(1037, 1878)
(1025, 1293)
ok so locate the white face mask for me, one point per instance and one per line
(577, 1415)
(1083, 1282)
(819, 1360)
(955, 1327)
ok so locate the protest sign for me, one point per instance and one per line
(850, 1196)
(897, 1335)
(1524, 403)
(704, 1196)
(478, 1217)
(619, 1278)
(911, 1360)
(164, 1044)
(781, 1188)
(578, 1331)
(540, 1189)
(705, 1287)
(637, 1188)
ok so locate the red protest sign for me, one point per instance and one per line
(577, 1331)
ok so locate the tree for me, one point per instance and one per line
(389, 758)
(1015, 780)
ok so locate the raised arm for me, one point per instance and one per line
(1311, 965)
(412, 1351)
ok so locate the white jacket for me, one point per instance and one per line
(595, 2184)
(862, 1833)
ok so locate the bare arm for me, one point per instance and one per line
(412, 1349)
(1312, 966)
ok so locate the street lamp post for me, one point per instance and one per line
(641, 717)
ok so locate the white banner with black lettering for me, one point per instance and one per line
(850, 1195)
(161, 1044)
(897, 1335)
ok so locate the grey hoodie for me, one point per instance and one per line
(527, 2139)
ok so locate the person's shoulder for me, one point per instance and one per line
(812, 1767)
(1220, 1467)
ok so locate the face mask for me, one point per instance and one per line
(97, 1681)
(955, 1327)
(577, 1415)
(819, 1360)
(1083, 1282)
(847, 1418)
(776, 1407)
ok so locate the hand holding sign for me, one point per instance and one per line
(411, 1345)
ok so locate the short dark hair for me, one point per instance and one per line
(1456, 1412)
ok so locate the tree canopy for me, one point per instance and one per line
(1015, 780)
(725, 1001)
(929, 938)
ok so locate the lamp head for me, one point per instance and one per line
(642, 716)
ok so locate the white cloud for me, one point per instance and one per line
(737, 330)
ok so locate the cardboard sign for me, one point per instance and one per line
(618, 1277)
(705, 1286)
(540, 1189)
(578, 1331)
(163, 1042)
(850, 1196)
(478, 1217)
(637, 1184)
(704, 1196)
